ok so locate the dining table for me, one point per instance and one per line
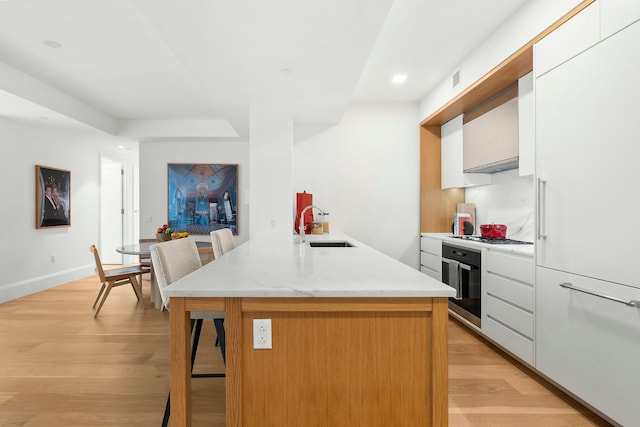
(143, 250)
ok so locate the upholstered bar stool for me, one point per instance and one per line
(173, 260)
(222, 242)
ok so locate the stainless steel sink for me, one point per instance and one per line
(331, 244)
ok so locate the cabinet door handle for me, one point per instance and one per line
(541, 221)
(630, 303)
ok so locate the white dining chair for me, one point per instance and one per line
(222, 242)
(173, 260)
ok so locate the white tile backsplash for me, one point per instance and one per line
(509, 200)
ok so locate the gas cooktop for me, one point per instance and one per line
(493, 240)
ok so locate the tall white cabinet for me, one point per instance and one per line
(587, 156)
(617, 14)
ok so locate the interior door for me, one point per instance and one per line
(111, 210)
(587, 155)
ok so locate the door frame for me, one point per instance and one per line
(129, 195)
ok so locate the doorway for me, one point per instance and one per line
(111, 210)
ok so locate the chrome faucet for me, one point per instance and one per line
(301, 227)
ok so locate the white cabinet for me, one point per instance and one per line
(431, 257)
(586, 160)
(451, 153)
(526, 125)
(452, 174)
(587, 155)
(508, 302)
(575, 36)
(590, 345)
(617, 14)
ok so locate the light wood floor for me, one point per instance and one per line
(61, 367)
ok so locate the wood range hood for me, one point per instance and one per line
(437, 206)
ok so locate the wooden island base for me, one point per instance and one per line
(334, 362)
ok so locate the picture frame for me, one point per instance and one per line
(53, 197)
(202, 197)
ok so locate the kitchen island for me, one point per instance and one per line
(358, 338)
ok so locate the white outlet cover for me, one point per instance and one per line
(262, 333)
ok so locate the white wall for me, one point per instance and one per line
(365, 172)
(25, 252)
(529, 21)
(154, 158)
(271, 158)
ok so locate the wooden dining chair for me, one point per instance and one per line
(115, 277)
(206, 254)
(145, 261)
(171, 261)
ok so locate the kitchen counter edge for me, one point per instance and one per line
(526, 250)
(283, 268)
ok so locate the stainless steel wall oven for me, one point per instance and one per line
(461, 270)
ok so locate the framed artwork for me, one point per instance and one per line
(53, 197)
(202, 197)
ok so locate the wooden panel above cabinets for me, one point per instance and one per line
(501, 77)
(507, 94)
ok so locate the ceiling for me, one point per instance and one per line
(120, 64)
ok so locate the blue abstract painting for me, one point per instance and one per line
(203, 197)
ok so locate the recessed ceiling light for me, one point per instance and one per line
(399, 79)
(52, 43)
(121, 147)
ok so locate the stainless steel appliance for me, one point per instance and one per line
(461, 270)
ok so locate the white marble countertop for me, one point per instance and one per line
(283, 267)
(527, 250)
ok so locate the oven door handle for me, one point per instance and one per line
(461, 265)
(458, 283)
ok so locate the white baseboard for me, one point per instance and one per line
(12, 291)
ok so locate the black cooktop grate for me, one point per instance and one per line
(493, 240)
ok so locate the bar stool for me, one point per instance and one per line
(173, 260)
(222, 242)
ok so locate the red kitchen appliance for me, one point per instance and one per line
(303, 200)
(494, 231)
